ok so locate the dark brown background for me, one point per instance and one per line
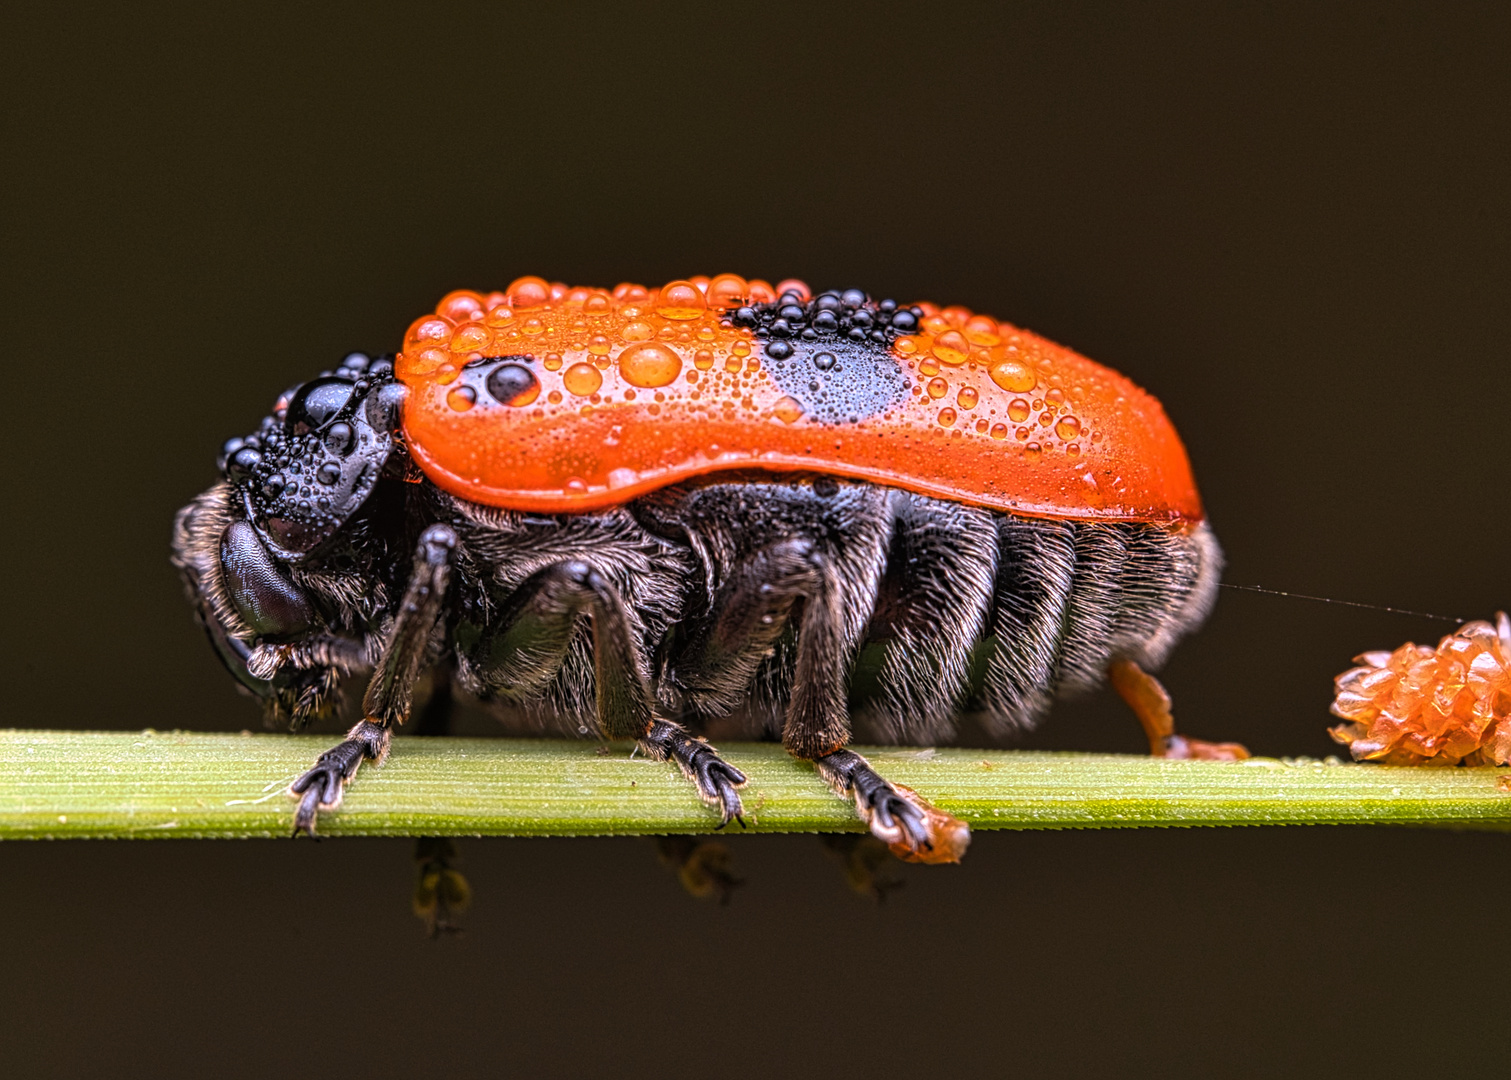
(1292, 225)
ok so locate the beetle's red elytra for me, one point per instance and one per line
(719, 505)
(634, 389)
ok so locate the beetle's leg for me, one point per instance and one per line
(817, 729)
(386, 702)
(304, 677)
(1150, 702)
(751, 610)
(704, 867)
(931, 610)
(441, 892)
(532, 641)
(914, 829)
(866, 861)
(723, 652)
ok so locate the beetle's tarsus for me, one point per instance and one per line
(322, 787)
(914, 829)
(715, 779)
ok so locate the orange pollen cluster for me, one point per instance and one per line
(1424, 706)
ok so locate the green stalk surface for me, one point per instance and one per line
(57, 784)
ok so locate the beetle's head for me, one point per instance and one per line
(287, 491)
(313, 463)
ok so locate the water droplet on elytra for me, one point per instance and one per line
(788, 410)
(650, 365)
(680, 300)
(582, 379)
(952, 348)
(1013, 376)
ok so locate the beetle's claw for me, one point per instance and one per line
(717, 781)
(715, 778)
(323, 786)
(914, 829)
(1181, 747)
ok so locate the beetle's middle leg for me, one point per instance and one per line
(391, 688)
(530, 644)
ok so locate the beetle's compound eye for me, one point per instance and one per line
(513, 384)
(316, 402)
(264, 597)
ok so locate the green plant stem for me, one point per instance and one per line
(117, 784)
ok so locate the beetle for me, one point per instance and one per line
(632, 511)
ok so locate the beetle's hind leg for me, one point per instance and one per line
(797, 575)
(1150, 702)
(386, 702)
(530, 644)
(913, 828)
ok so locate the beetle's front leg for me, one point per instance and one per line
(391, 688)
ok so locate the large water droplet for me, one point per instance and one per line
(951, 347)
(946, 417)
(1013, 376)
(512, 384)
(582, 379)
(1068, 428)
(471, 338)
(649, 364)
(788, 410)
(982, 330)
(966, 399)
(680, 300)
(462, 398)
(1017, 410)
(461, 306)
(726, 291)
(938, 388)
(528, 292)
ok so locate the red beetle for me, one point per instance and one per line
(632, 511)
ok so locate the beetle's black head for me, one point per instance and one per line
(317, 458)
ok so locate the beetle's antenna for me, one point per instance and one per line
(1345, 603)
